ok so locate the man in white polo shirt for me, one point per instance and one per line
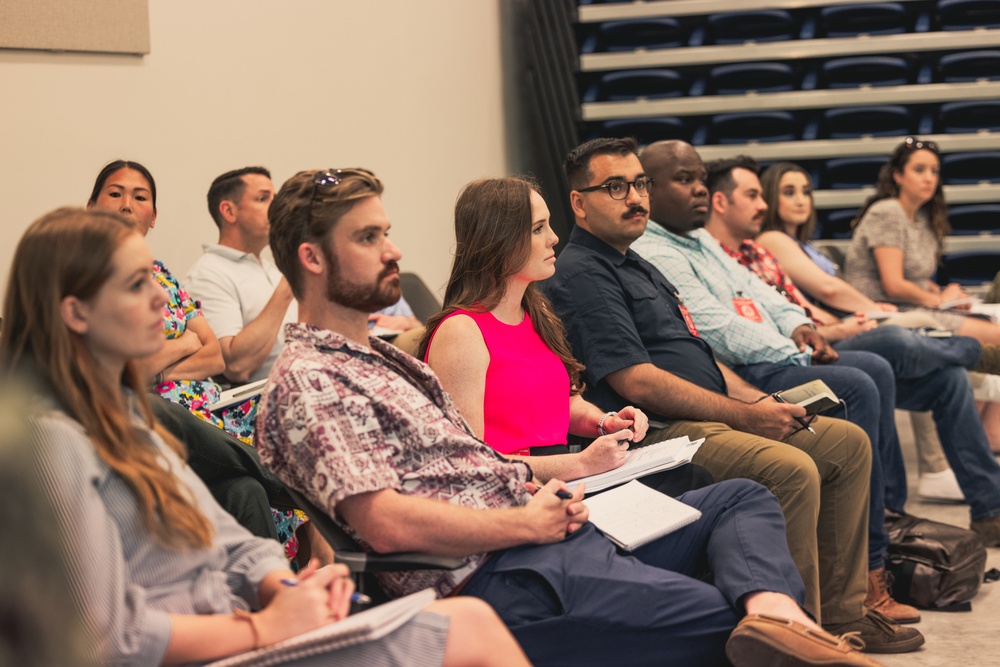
(243, 295)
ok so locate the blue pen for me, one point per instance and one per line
(356, 598)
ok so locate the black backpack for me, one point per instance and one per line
(934, 565)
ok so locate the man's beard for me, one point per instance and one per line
(364, 298)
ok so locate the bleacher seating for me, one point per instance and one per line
(968, 14)
(751, 26)
(831, 84)
(970, 168)
(974, 219)
(876, 18)
(970, 66)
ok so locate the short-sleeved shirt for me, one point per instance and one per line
(339, 419)
(885, 224)
(232, 288)
(619, 311)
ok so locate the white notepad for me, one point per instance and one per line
(365, 626)
(633, 514)
(643, 461)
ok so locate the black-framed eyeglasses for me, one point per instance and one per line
(618, 188)
(915, 144)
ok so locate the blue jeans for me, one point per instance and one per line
(930, 375)
(865, 383)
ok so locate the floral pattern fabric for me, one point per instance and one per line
(197, 395)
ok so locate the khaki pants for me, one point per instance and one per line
(822, 482)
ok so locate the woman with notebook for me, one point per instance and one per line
(160, 572)
(502, 353)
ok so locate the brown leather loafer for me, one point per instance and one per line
(880, 634)
(761, 640)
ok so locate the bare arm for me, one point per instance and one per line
(321, 597)
(203, 363)
(390, 521)
(813, 280)
(247, 351)
(673, 397)
(889, 260)
(459, 356)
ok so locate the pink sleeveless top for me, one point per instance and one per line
(526, 403)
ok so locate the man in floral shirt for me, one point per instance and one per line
(368, 434)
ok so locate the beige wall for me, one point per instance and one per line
(411, 90)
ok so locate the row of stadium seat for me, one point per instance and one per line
(766, 25)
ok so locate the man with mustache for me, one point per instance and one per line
(764, 338)
(630, 328)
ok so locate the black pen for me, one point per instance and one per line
(565, 495)
(802, 422)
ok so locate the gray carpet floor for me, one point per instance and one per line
(966, 639)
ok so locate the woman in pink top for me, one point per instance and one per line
(501, 352)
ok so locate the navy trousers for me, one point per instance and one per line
(672, 602)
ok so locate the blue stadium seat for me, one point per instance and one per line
(871, 71)
(646, 130)
(875, 18)
(658, 33)
(875, 121)
(740, 78)
(968, 268)
(633, 84)
(968, 14)
(836, 224)
(766, 25)
(970, 116)
(970, 168)
(970, 66)
(741, 128)
(845, 173)
(973, 219)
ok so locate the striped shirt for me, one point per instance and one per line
(126, 583)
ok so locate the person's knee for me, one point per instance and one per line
(791, 475)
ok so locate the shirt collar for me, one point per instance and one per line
(227, 252)
(692, 240)
(582, 237)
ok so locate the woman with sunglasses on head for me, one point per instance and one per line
(898, 237)
(161, 573)
(786, 232)
(502, 354)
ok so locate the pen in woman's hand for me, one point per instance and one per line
(356, 598)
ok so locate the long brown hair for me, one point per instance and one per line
(68, 252)
(493, 241)
(770, 181)
(936, 209)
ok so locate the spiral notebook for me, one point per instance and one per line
(633, 514)
(365, 626)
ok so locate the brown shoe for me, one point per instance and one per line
(989, 362)
(879, 634)
(878, 598)
(988, 530)
(761, 640)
